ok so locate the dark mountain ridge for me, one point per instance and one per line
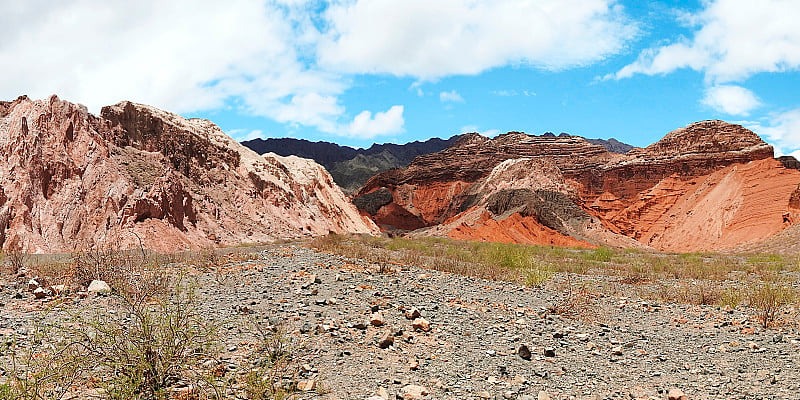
(351, 167)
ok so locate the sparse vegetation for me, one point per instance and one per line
(769, 300)
(276, 369)
(691, 278)
(513, 261)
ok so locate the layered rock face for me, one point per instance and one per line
(72, 180)
(708, 186)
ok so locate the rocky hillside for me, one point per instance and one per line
(708, 186)
(71, 180)
(351, 167)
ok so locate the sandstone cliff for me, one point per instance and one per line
(72, 180)
(708, 186)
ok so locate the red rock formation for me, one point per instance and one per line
(708, 186)
(72, 180)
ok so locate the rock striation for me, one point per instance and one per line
(708, 186)
(135, 173)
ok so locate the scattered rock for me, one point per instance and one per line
(421, 324)
(307, 385)
(98, 286)
(676, 394)
(412, 313)
(524, 352)
(411, 392)
(40, 293)
(376, 319)
(58, 289)
(542, 395)
(386, 340)
(33, 284)
(549, 352)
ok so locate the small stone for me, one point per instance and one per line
(616, 351)
(542, 395)
(33, 284)
(376, 319)
(421, 324)
(98, 286)
(58, 289)
(413, 365)
(412, 313)
(752, 346)
(359, 325)
(320, 301)
(386, 340)
(307, 385)
(676, 394)
(412, 392)
(524, 352)
(312, 279)
(40, 293)
(383, 393)
(549, 352)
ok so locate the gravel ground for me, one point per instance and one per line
(613, 348)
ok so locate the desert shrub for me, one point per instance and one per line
(731, 297)
(574, 302)
(15, 260)
(45, 366)
(769, 300)
(536, 277)
(275, 362)
(148, 345)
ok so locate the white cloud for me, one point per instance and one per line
(782, 131)
(510, 93)
(281, 59)
(733, 40)
(451, 96)
(468, 129)
(731, 99)
(240, 135)
(475, 129)
(364, 125)
(432, 39)
(182, 56)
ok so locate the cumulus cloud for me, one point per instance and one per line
(782, 131)
(432, 39)
(240, 135)
(511, 93)
(731, 99)
(451, 96)
(282, 59)
(383, 123)
(253, 54)
(732, 40)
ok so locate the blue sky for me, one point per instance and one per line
(356, 72)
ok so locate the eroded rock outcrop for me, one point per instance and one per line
(708, 186)
(72, 180)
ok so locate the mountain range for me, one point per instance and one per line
(708, 186)
(135, 175)
(351, 167)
